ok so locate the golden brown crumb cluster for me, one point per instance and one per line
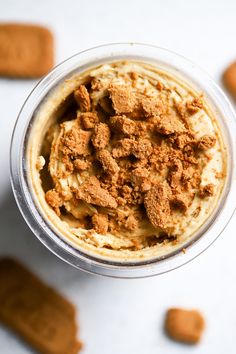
(36, 312)
(133, 155)
(184, 325)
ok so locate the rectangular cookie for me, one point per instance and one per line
(26, 51)
(36, 312)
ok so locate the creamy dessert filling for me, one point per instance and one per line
(126, 160)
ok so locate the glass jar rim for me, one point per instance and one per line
(24, 199)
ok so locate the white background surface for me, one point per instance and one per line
(126, 316)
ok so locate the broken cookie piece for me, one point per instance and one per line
(182, 200)
(89, 119)
(131, 223)
(123, 148)
(206, 142)
(175, 173)
(206, 191)
(142, 148)
(169, 124)
(178, 178)
(184, 325)
(124, 125)
(123, 99)
(109, 164)
(100, 223)
(140, 179)
(76, 142)
(194, 105)
(181, 140)
(54, 200)
(91, 192)
(82, 98)
(157, 204)
(153, 106)
(36, 312)
(101, 136)
(81, 164)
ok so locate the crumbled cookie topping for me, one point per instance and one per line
(129, 158)
(157, 204)
(108, 163)
(100, 223)
(54, 200)
(81, 165)
(76, 142)
(206, 142)
(101, 136)
(123, 100)
(89, 119)
(91, 192)
(194, 105)
(169, 125)
(206, 191)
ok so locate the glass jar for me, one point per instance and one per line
(25, 197)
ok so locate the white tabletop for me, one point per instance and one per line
(126, 316)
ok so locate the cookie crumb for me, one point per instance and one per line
(123, 148)
(182, 200)
(153, 106)
(100, 223)
(184, 325)
(140, 179)
(142, 148)
(109, 164)
(124, 125)
(123, 99)
(131, 223)
(89, 119)
(206, 142)
(101, 136)
(76, 142)
(82, 98)
(54, 200)
(81, 165)
(206, 191)
(92, 192)
(169, 124)
(157, 204)
(194, 105)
